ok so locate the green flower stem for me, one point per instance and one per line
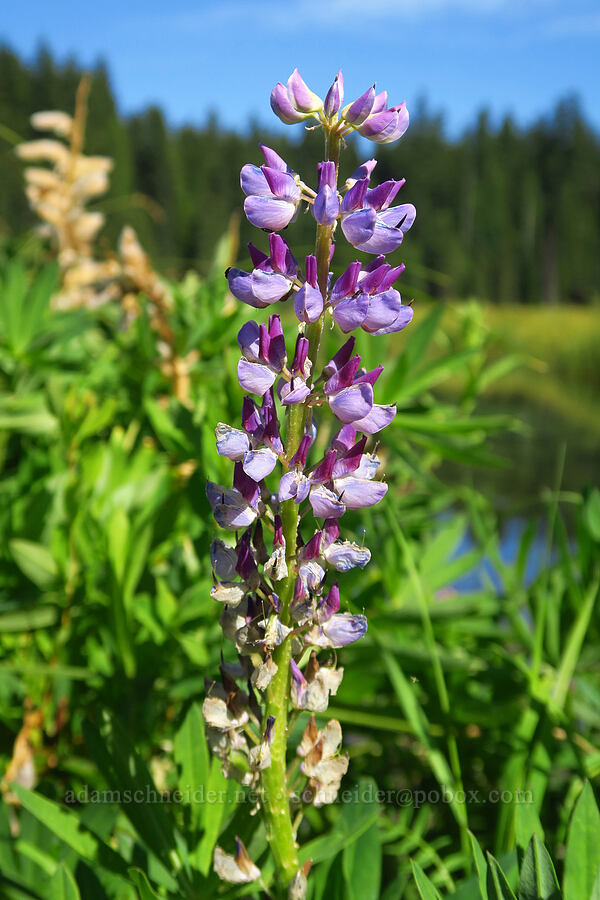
(276, 807)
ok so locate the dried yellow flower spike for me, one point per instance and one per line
(59, 194)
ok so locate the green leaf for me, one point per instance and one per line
(191, 754)
(28, 619)
(355, 819)
(62, 885)
(527, 823)
(67, 826)
(498, 887)
(363, 882)
(27, 414)
(426, 889)
(144, 888)
(480, 865)
(591, 513)
(582, 860)
(538, 879)
(575, 640)
(35, 561)
(220, 798)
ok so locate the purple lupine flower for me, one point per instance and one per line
(308, 303)
(372, 119)
(272, 192)
(369, 222)
(263, 355)
(365, 299)
(235, 445)
(350, 396)
(230, 508)
(326, 206)
(271, 278)
(295, 102)
(338, 631)
(345, 555)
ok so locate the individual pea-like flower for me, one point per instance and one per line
(326, 206)
(271, 278)
(338, 631)
(350, 395)
(230, 508)
(308, 302)
(225, 709)
(238, 869)
(372, 119)
(273, 192)
(296, 389)
(321, 760)
(295, 102)
(369, 222)
(311, 691)
(263, 355)
(364, 298)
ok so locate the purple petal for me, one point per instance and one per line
(382, 311)
(345, 555)
(358, 227)
(311, 269)
(343, 377)
(345, 285)
(340, 359)
(350, 313)
(277, 252)
(282, 106)
(301, 95)
(253, 182)
(391, 277)
(256, 255)
(300, 355)
(355, 198)
(268, 212)
(231, 442)
(308, 303)
(379, 103)
(401, 126)
(382, 239)
(344, 439)
(240, 285)
(325, 504)
(269, 287)
(293, 485)
(341, 630)
(363, 171)
(324, 471)
(294, 391)
(352, 403)
(329, 605)
(357, 493)
(379, 417)
(335, 96)
(259, 463)
(326, 207)
(299, 457)
(298, 685)
(249, 340)
(254, 377)
(383, 195)
(403, 318)
(274, 160)
(282, 185)
(377, 124)
(401, 217)
(356, 113)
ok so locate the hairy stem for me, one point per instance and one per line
(276, 808)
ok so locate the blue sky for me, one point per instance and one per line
(191, 57)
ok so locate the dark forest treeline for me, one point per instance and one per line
(504, 214)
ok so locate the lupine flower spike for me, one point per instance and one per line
(276, 580)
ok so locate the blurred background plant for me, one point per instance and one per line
(480, 669)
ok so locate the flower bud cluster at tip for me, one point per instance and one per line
(369, 115)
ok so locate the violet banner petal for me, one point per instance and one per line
(352, 403)
(268, 212)
(231, 442)
(378, 418)
(326, 207)
(282, 185)
(325, 504)
(259, 463)
(350, 313)
(308, 303)
(253, 182)
(357, 493)
(358, 227)
(254, 377)
(282, 106)
(301, 95)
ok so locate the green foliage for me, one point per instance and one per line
(107, 629)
